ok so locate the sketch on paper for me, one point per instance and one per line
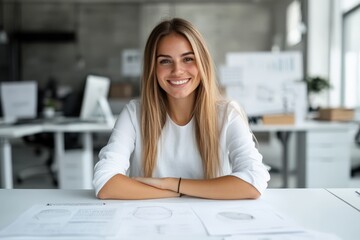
(248, 218)
(152, 212)
(155, 220)
(234, 216)
(52, 214)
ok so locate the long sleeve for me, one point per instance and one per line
(245, 159)
(114, 158)
(123, 153)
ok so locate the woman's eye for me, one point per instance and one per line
(164, 61)
(188, 59)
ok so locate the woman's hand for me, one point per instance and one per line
(226, 187)
(161, 183)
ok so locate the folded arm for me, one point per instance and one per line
(123, 187)
(226, 187)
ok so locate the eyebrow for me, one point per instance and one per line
(182, 55)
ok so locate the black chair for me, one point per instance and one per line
(40, 142)
(45, 141)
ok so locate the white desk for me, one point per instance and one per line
(305, 174)
(348, 195)
(306, 171)
(326, 137)
(75, 168)
(314, 209)
(17, 131)
(7, 133)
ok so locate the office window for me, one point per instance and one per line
(351, 59)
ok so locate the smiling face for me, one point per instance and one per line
(176, 69)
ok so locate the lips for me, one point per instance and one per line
(179, 81)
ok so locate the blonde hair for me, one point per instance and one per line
(153, 99)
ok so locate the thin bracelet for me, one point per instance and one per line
(178, 191)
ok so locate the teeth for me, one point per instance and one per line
(179, 82)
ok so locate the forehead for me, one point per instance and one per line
(173, 43)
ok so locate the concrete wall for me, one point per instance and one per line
(103, 30)
(227, 27)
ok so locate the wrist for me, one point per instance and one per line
(172, 184)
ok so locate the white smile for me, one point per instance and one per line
(179, 82)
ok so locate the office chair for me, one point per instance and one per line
(45, 141)
(40, 142)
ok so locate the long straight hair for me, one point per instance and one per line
(154, 99)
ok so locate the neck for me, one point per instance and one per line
(181, 110)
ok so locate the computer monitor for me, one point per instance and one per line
(95, 105)
(18, 100)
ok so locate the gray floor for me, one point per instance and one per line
(24, 157)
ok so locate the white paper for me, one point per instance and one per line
(243, 217)
(62, 220)
(159, 219)
(307, 235)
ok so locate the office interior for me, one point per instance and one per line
(58, 43)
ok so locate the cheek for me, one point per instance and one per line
(160, 72)
(195, 73)
(194, 70)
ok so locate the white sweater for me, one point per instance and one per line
(178, 155)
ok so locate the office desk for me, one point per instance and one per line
(17, 131)
(7, 133)
(308, 174)
(312, 137)
(75, 168)
(305, 172)
(348, 195)
(313, 209)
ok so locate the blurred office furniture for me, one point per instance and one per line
(44, 141)
(326, 154)
(356, 170)
(18, 100)
(76, 165)
(41, 142)
(323, 151)
(6, 134)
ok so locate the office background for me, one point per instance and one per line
(67, 40)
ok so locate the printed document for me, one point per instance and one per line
(248, 217)
(99, 220)
(160, 219)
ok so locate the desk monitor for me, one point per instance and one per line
(19, 100)
(95, 105)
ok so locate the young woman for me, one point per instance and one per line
(181, 137)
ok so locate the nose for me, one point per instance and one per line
(177, 68)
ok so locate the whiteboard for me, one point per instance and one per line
(259, 80)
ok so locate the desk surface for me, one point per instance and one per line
(19, 131)
(348, 195)
(305, 126)
(314, 209)
(27, 129)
